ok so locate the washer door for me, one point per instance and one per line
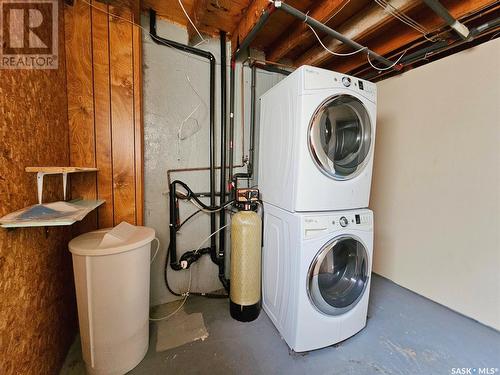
(340, 137)
(338, 275)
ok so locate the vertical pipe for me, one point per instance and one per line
(213, 218)
(252, 122)
(210, 57)
(231, 118)
(223, 98)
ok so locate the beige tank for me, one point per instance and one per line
(246, 234)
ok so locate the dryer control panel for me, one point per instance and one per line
(314, 226)
(317, 78)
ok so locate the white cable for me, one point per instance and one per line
(389, 67)
(156, 251)
(335, 53)
(210, 211)
(203, 40)
(186, 294)
(405, 19)
(337, 12)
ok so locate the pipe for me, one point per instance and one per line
(243, 46)
(222, 215)
(193, 169)
(210, 57)
(442, 12)
(270, 68)
(251, 150)
(444, 45)
(334, 34)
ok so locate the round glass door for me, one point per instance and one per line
(340, 137)
(338, 276)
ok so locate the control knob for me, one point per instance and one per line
(343, 221)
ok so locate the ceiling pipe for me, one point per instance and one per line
(334, 34)
(442, 12)
(444, 45)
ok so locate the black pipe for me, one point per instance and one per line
(243, 46)
(223, 114)
(334, 34)
(271, 68)
(444, 45)
(251, 150)
(210, 57)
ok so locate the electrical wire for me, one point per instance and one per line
(335, 53)
(386, 68)
(401, 16)
(203, 40)
(187, 292)
(337, 12)
(156, 251)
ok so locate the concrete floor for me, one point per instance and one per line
(405, 334)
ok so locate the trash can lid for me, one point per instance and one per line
(124, 237)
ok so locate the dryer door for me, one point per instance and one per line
(340, 137)
(338, 275)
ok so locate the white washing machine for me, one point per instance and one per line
(316, 274)
(317, 134)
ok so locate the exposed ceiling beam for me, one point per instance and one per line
(402, 35)
(248, 21)
(362, 24)
(322, 11)
(198, 11)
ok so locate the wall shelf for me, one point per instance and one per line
(42, 171)
(50, 214)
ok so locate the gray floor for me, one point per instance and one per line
(405, 334)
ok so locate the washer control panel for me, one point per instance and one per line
(314, 226)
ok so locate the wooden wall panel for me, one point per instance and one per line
(139, 134)
(37, 305)
(122, 114)
(102, 105)
(112, 130)
(80, 98)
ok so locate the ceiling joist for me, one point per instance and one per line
(363, 24)
(197, 14)
(404, 36)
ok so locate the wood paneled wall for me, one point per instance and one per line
(103, 55)
(37, 303)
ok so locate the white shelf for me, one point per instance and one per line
(82, 208)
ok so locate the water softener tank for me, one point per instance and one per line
(246, 233)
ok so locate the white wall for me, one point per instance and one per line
(168, 100)
(436, 183)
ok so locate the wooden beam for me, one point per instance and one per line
(197, 14)
(364, 23)
(322, 11)
(402, 36)
(248, 21)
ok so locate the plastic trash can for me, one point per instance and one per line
(111, 268)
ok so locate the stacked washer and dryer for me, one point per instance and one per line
(317, 133)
